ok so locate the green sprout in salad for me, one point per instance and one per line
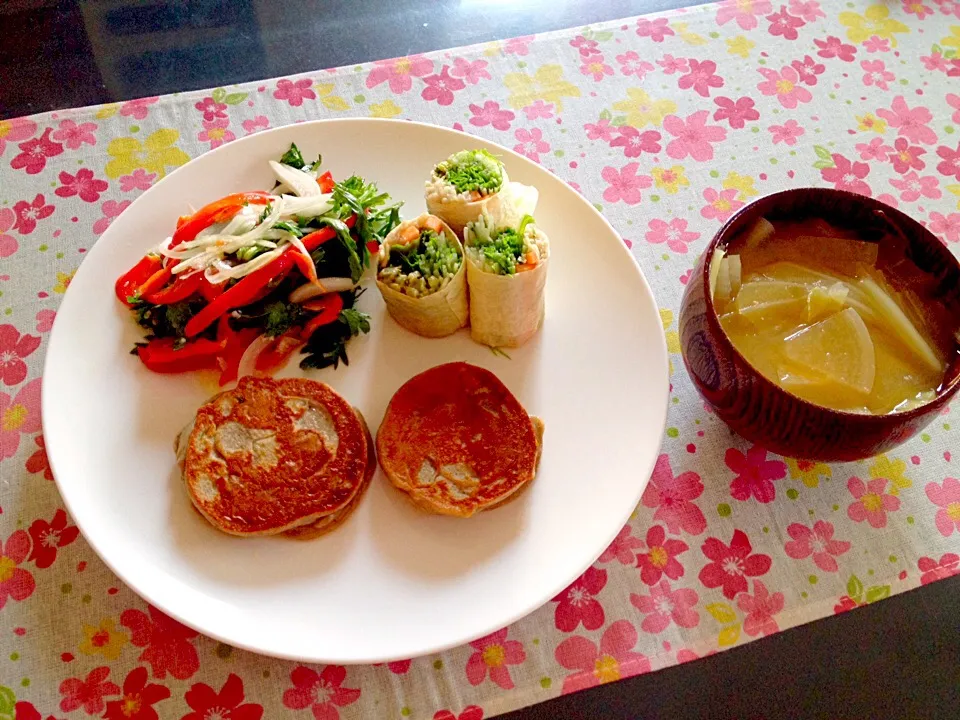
(471, 171)
(499, 250)
(423, 266)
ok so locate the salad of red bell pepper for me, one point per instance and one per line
(284, 264)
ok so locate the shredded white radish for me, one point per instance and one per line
(298, 181)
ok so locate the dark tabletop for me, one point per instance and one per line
(897, 659)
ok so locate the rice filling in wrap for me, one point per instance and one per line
(507, 274)
(422, 277)
(464, 186)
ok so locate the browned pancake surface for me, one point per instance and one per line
(457, 440)
(271, 455)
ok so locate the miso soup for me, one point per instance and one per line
(808, 306)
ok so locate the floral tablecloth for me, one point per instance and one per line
(668, 124)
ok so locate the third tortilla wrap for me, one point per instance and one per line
(438, 314)
(507, 310)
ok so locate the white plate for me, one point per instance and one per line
(392, 583)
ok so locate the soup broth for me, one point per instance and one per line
(806, 304)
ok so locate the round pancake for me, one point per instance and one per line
(457, 441)
(335, 519)
(271, 455)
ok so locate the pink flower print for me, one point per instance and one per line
(737, 113)
(876, 73)
(610, 662)
(673, 498)
(950, 161)
(491, 114)
(15, 130)
(701, 77)
(784, 85)
(470, 712)
(399, 72)
(631, 64)
(876, 44)
(28, 213)
(88, 693)
(692, 136)
(874, 150)
(34, 153)
(808, 69)
(596, 67)
(888, 199)
(947, 226)
(947, 498)
(167, 644)
(531, 143)
(39, 462)
(228, 704)
(954, 102)
(19, 415)
(83, 184)
(471, 71)
(949, 7)
(624, 184)
(322, 692)
(15, 582)
(623, 548)
(817, 542)
(635, 142)
(935, 62)
(674, 233)
(661, 557)
(906, 157)
(260, 122)
(671, 65)
(809, 10)
(760, 610)
(755, 474)
(602, 130)
(494, 654)
(73, 135)
(846, 175)
(911, 124)
(211, 109)
(656, 30)
(111, 211)
(744, 12)
(216, 132)
(48, 537)
(578, 604)
(139, 179)
(518, 45)
(720, 205)
(14, 349)
(786, 133)
(916, 8)
(538, 110)
(871, 503)
(732, 564)
(137, 109)
(834, 47)
(295, 92)
(948, 566)
(664, 605)
(586, 48)
(913, 187)
(441, 87)
(8, 243)
(784, 24)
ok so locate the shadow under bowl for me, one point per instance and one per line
(911, 258)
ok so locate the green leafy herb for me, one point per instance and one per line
(328, 344)
(280, 316)
(289, 227)
(293, 158)
(266, 213)
(358, 322)
(470, 170)
(166, 320)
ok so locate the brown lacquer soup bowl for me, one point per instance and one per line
(911, 258)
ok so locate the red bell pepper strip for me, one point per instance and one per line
(180, 289)
(235, 344)
(209, 291)
(373, 247)
(276, 353)
(317, 238)
(218, 211)
(155, 282)
(160, 356)
(243, 293)
(326, 182)
(328, 308)
(128, 283)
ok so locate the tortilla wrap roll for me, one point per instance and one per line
(464, 186)
(507, 275)
(422, 277)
